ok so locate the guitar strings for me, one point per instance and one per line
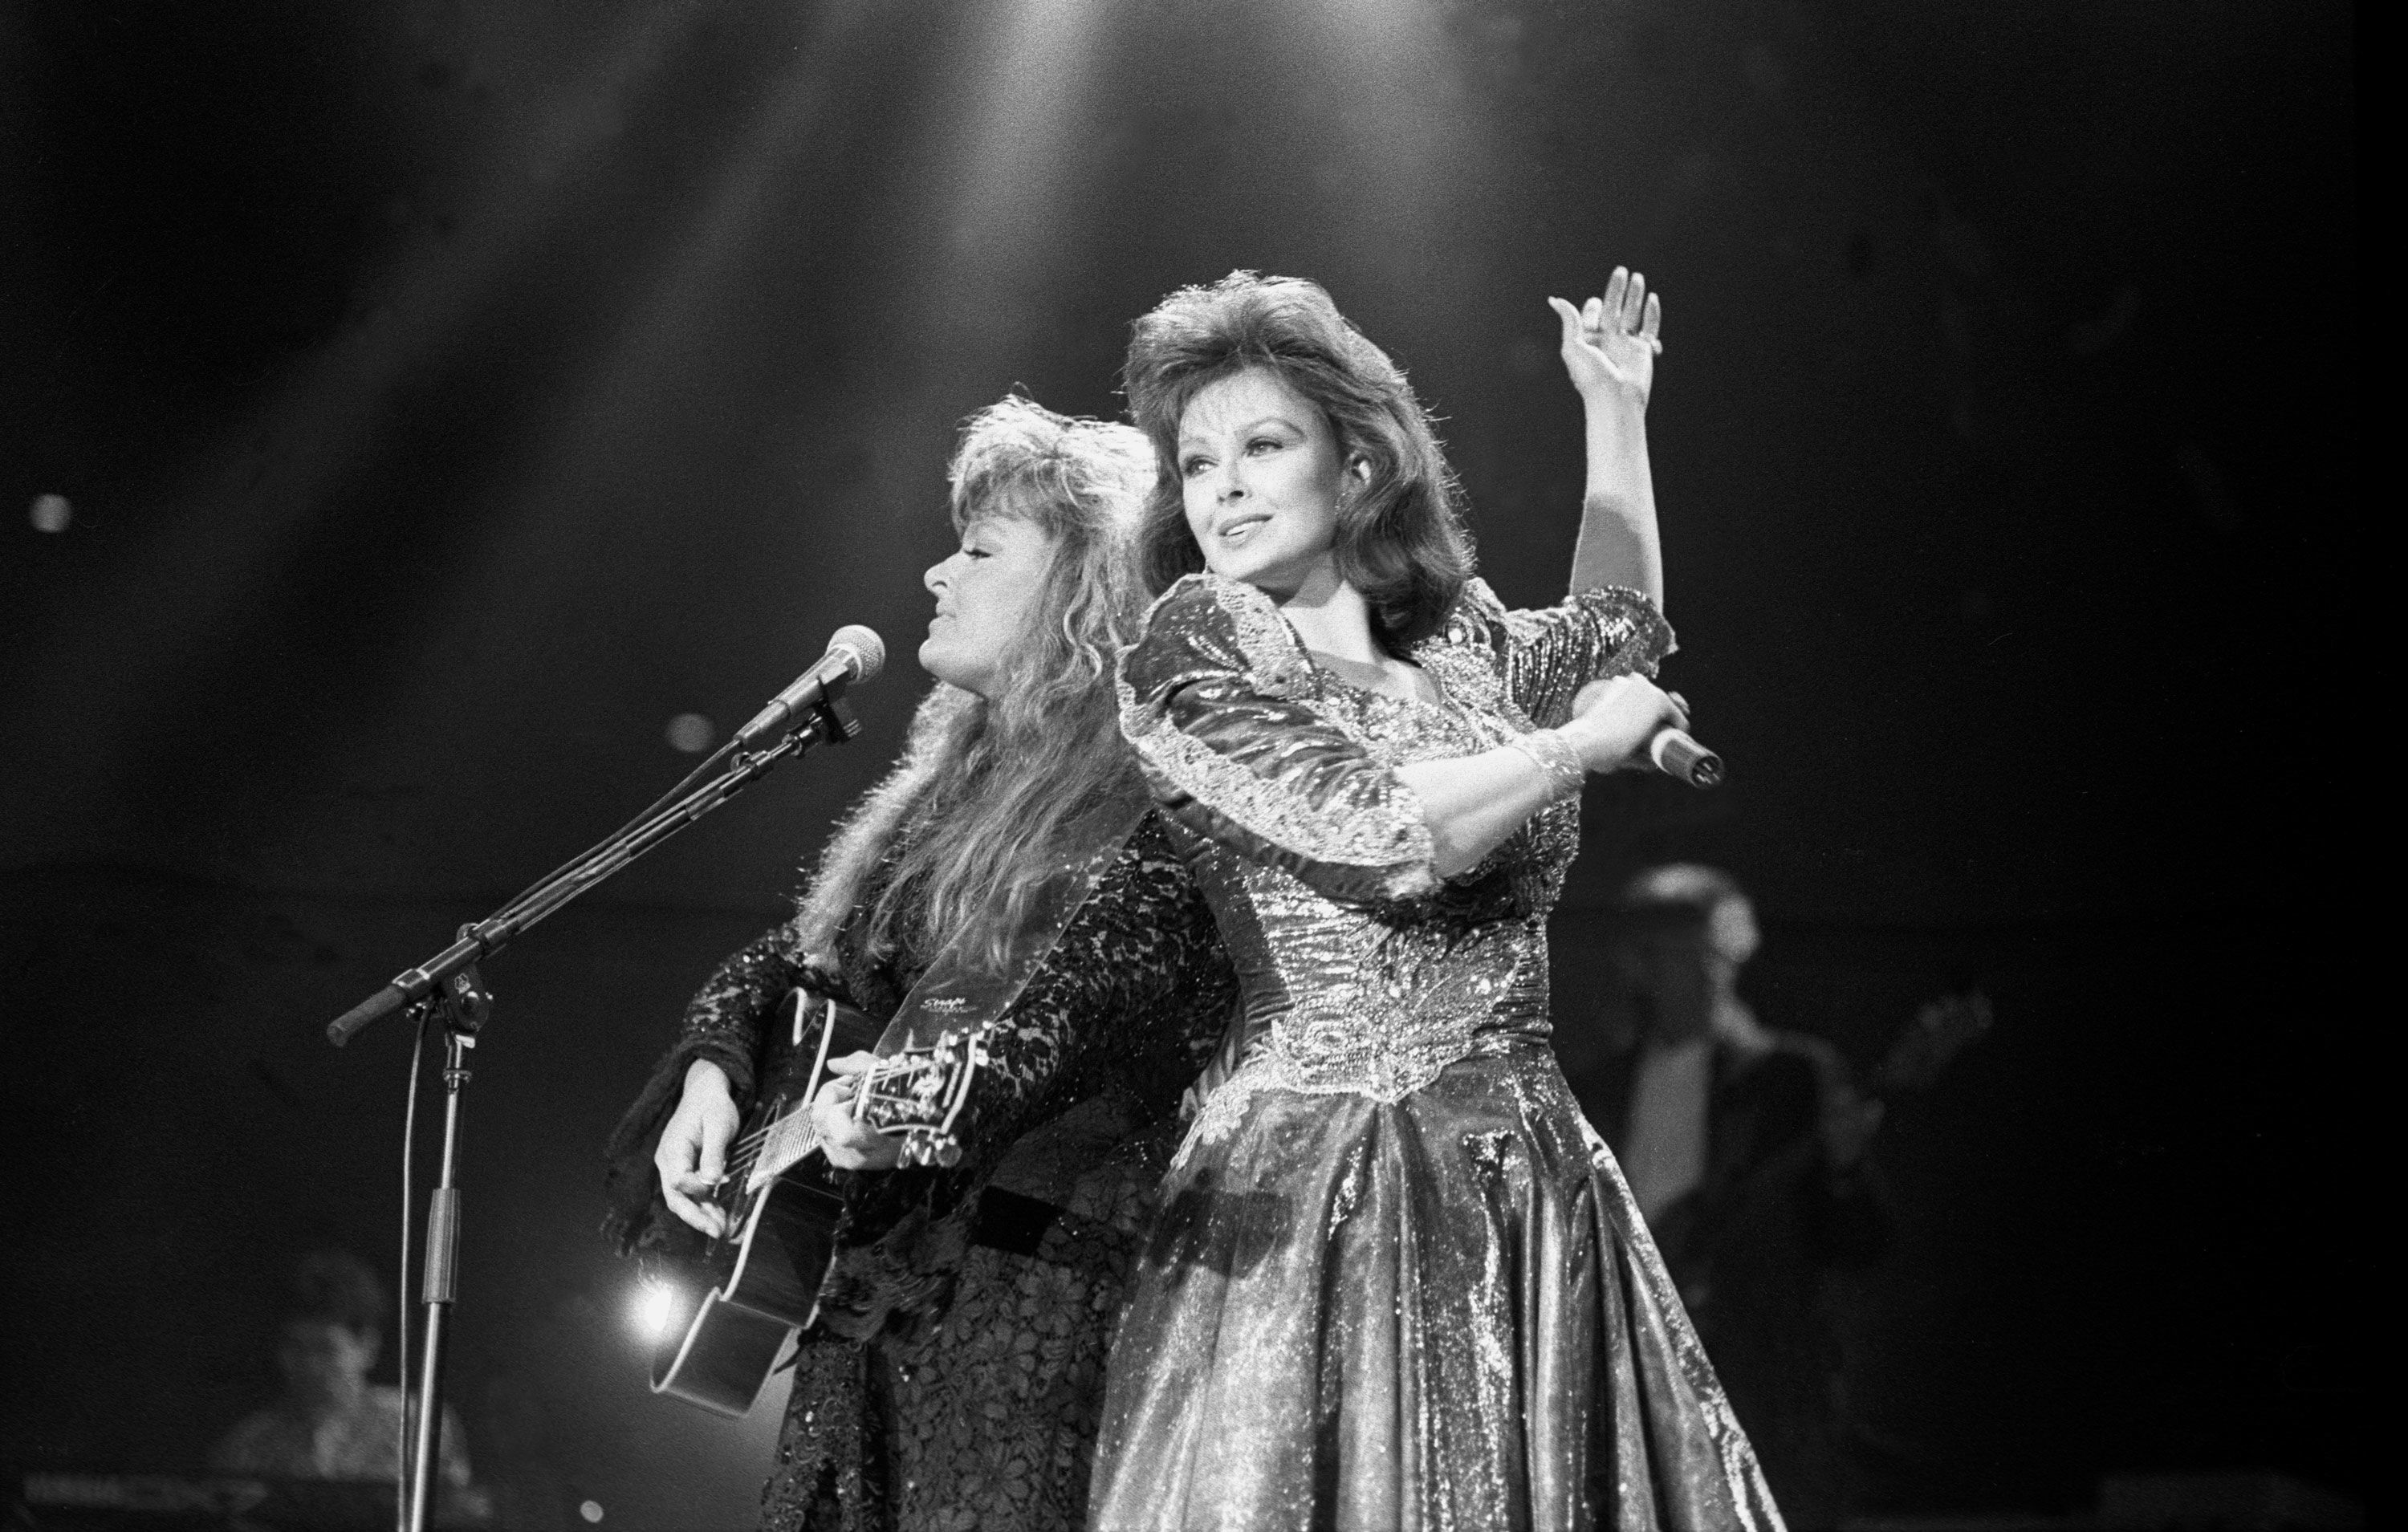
(876, 1095)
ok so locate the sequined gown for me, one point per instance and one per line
(1397, 1281)
(958, 1370)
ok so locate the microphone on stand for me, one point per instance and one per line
(854, 655)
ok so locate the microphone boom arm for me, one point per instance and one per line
(448, 985)
(827, 720)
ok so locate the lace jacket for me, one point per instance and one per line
(1125, 1010)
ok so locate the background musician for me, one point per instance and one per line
(330, 1422)
(1748, 1152)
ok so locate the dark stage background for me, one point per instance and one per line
(445, 396)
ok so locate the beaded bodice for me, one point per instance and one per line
(1379, 998)
(1362, 971)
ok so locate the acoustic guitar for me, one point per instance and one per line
(782, 1201)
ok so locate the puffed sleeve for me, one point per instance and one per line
(1216, 700)
(1548, 654)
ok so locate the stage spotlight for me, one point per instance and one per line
(51, 513)
(657, 1308)
(691, 732)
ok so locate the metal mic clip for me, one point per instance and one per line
(838, 713)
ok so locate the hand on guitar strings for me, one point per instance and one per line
(692, 1156)
(850, 1143)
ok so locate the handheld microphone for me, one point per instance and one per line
(854, 655)
(1676, 755)
(1681, 757)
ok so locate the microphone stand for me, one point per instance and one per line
(448, 987)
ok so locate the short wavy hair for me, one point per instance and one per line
(995, 785)
(1685, 900)
(1402, 542)
(336, 1287)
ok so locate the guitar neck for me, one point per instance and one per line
(784, 1142)
(914, 1095)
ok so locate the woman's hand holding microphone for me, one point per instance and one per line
(1615, 719)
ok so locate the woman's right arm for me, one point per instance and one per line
(692, 1155)
(728, 1016)
(1214, 703)
(1473, 803)
(697, 1091)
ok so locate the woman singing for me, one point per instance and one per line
(958, 1367)
(1397, 1281)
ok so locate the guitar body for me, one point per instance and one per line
(783, 1199)
(771, 1293)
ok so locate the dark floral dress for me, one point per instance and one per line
(956, 1375)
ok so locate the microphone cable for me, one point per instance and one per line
(401, 1329)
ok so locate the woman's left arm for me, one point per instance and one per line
(1609, 349)
(1145, 932)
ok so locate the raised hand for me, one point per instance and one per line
(1610, 343)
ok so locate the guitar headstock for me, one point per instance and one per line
(917, 1093)
(1930, 1042)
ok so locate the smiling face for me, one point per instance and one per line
(1260, 473)
(986, 593)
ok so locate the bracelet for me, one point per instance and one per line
(1556, 757)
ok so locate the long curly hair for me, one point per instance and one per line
(987, 788)
(1402, 542)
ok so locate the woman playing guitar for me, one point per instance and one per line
(1010, 878)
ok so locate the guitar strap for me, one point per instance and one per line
(959, 992)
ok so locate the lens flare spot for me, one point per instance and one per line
(656, 1310)
(691, 732)
(591, 1510)
(50, 513)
